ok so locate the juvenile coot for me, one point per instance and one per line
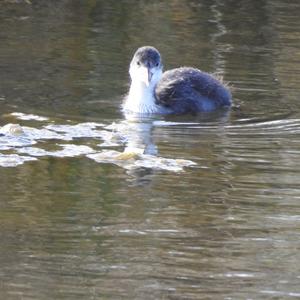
(177, 91)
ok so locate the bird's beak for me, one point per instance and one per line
(150, 74)
(146, 74)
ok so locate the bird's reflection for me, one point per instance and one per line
(140, 156)
(140, 138)
(140, 134)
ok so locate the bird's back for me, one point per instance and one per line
(191, 90)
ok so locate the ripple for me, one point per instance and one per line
(13, 160)
(69, 150)
(290, 126)
(280, 293)
(140, 152)
(78, 130)
(27, 117)
(135, 160)
(136, 136)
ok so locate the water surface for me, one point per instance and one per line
(78, 227)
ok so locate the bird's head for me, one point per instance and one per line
(146, 66)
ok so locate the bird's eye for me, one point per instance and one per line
(157, 64)
(138, 63)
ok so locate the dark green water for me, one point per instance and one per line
(225, 228)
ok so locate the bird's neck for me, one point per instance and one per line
(141, 98)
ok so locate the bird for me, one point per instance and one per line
(177, 91)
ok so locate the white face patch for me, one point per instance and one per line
(144, 75)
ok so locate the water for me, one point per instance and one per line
(213, 213)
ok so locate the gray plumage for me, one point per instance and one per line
(191, 90)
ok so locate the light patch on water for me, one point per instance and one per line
(13, 160)
(113, 157)
(13, 135)
(239, 275)
(69, 150)
(10, 142)
(287, 218)
(281, 293)
(163, 230)
(234, 275)
(27, 117)
(11, 129)
(155, 162)
(133, 160)
(136, 137)
(112, 139)
(81, 130)
(169, 123)
(132, 231)
(44, 134)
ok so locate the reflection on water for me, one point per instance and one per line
(136, 134)
(78, 228)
